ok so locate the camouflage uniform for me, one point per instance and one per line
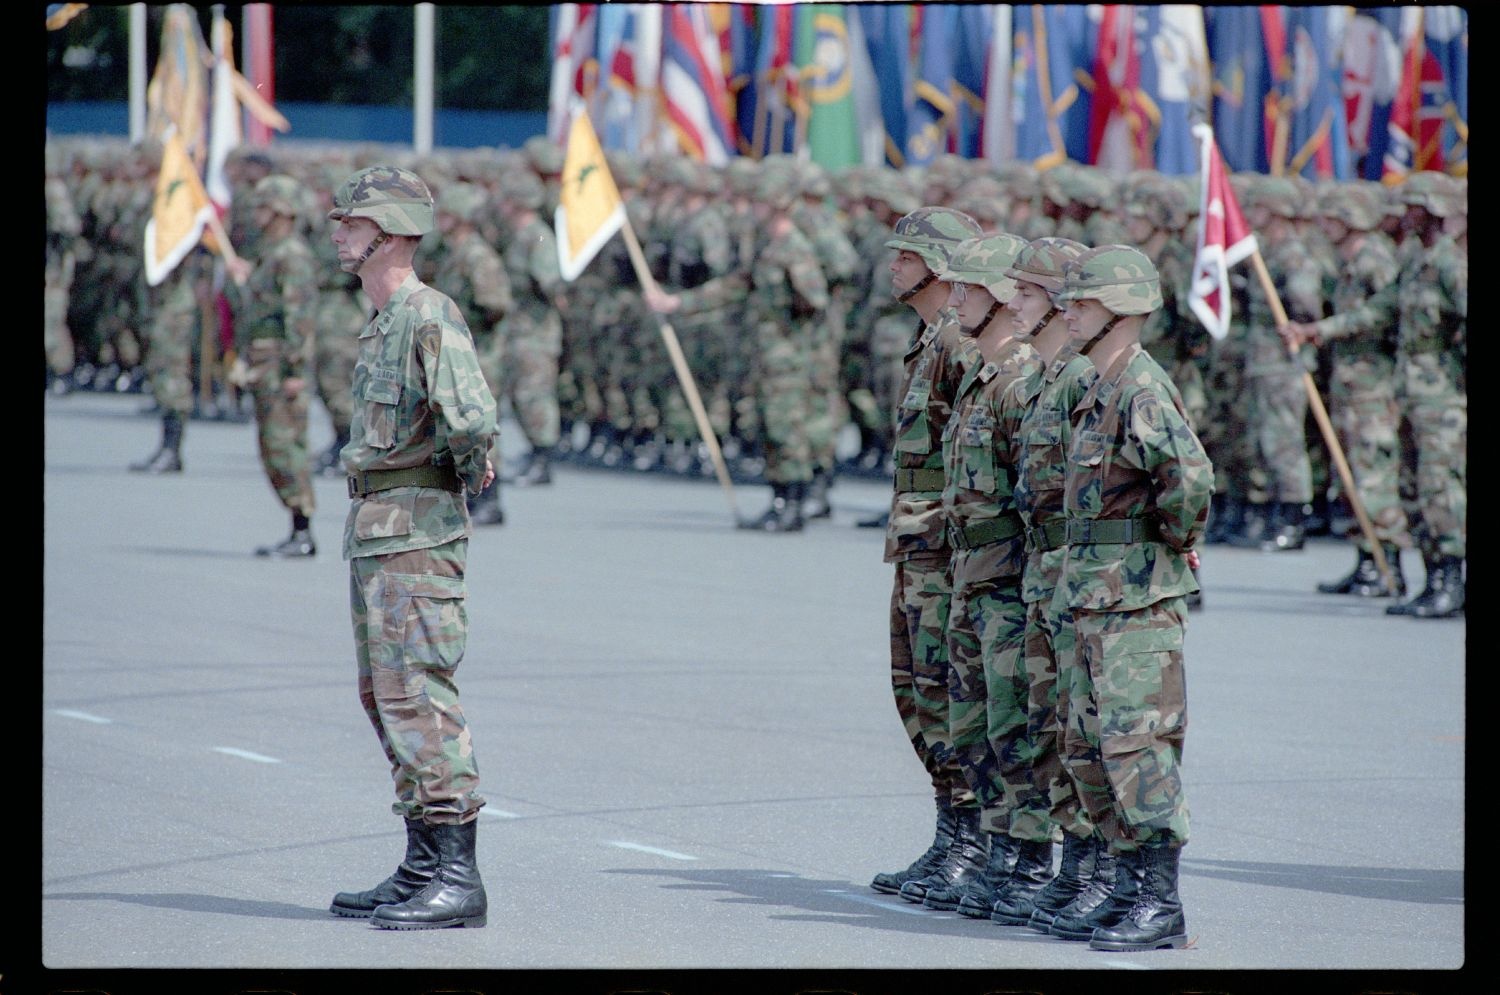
(986, 618)
(424, 423)
(275, 331)
(1136, 499)
(1432, 388)
(173, 336)
(63, 229)
(1361, 345)
(916, 539)
(342, 310)
(531, 332)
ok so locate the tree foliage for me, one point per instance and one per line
(485, 58)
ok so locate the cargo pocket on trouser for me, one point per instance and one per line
(425, 627)
(1141, 694)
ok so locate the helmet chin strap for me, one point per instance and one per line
(1052, 312)
(375, 243)
(983, 322)
(1108, 327)
(918, 287)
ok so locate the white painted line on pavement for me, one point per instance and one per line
(622, 844)
(1129, 965)
(69, 713)
(246, 755)
(888, 906)
(498, 813)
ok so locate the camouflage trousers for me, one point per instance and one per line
(1226, 434)
(336, 350)
(1436, 404)
(888, 342)
(1278, 421)
(1362, 406)
(281, 430)
(410, 627)
(786, 402)
(172, 339)
(1123, 742)
(1050, 667)
(920, 602)
(826, 396)
(528, 363)
(987, 706)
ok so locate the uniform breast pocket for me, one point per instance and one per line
(382, 399)
(977, 444)
(1086, 466)
(912, 434)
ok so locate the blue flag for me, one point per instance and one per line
(1371, 58)
(975, 23)
(934, 112)
(887, 29)
(1241, 81)
(1048, 53)
(1175, 76)
(1319, 146)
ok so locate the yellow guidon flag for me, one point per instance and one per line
(179, 212)
(589, 208)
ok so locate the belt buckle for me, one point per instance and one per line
(956, 537)
(353, 486)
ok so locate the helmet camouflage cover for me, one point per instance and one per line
(280, 193)
(1357, 205)
(1427, 189)
(1043, 261)
(932, 232)
(1117, 276)
(985, 260)
(395, 199)
(464, 201)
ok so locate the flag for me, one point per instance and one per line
(1175, 78)
(1241, 83)
(1371, 57)
(1121, 126)
(1223, 239)
(869, 127)
(1050, 42)
(976, 22)
(224, 132)
(997, 133)
(934, 112)
(1319, 145)
(571, 31)
(177, 97)
(887, 30)
(776, 83)
(1420, 107)
(740, 81)
(589, 207)
(179, 211)
(693, 86)
(825, 68)
(260, 71)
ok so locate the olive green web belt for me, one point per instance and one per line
(982, 533)
(1048, 537)
(442, 477)
(919, 481)
(1112, 530)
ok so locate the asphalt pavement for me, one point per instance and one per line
(691, 758)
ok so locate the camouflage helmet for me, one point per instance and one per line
(464, 201)
(1428, 190)
(777, 184)
(1280, 195)
(1117, 276)
(545, 155)
(1156, 199)
(932, 232)
(812, 180)
(1044, 260)
(741, 175)
(523, 189)
(280, 193)
(1357, 205)
(395, 199)
(986, 260)
(890, 189)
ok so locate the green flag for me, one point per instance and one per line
(827, 123)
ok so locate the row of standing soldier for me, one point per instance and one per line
(583, 363)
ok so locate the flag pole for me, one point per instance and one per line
(1320, 414)
(679, 363)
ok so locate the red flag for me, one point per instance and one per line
(1121, 118)
(1417, 113)
(1223, 239)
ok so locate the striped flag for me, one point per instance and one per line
(1223, 239)
(693, 85)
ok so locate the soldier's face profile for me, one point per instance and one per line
(1085, 317)
(352, 236)
(906, 269)
(1028, 305)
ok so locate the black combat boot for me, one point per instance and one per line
(1365, 581)
(1079, 857)
(414, 871)
(963, 862)
(1252, 529)
(484, 508)
(1155, 919)
(785, 512)
(891, 882)
(1443, 594)
(1226, 515)
(538, 469)
(816, 504)
(1015, 898)
(977, 899)
(1104, 901)
(328, 464)
(453, 897)
(167, 458)
(1285, 531)
(298, 544)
